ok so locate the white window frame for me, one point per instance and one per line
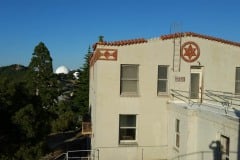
(199, 71)
(123, 141)
(237, 81)
(163, 79)
(136, 79)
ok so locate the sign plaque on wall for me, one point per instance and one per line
(179, 79)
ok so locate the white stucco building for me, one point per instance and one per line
(171, 97)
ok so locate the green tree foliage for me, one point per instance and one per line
(24, 119)
(29, 110)
(30, 152)
(32, 121)
(7, 108)
(20, 123)
(65, 119)
(81, 100)
(42, 78)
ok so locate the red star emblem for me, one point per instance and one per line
(190, 52)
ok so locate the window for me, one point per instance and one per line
(127, 128)
(194, 94)
(196, 82)
(162, 79)
(225, 147)
(237, 81)
(177, 131)
(129, 80)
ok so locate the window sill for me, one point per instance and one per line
(163, 94)
(128, 144)
(129, 95)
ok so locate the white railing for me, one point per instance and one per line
(133, 152)
(225, 98)
(226, 101)
(79, 155)
(206, 155)
(220, 97)
(145, 153)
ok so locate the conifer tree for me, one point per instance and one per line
(42, 78)
(81, 100)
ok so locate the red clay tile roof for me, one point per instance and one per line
(166, 37)
(121, 43)
(191, 34)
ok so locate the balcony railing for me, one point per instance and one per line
(222, 100)
(80, 155)
(206, 155)
(145, 153)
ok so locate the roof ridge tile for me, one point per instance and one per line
(122, 42)
(192, 34)
(166, 37)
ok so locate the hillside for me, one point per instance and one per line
(16, 72)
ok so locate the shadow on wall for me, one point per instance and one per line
(216, 147)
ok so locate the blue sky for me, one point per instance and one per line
(68, 27)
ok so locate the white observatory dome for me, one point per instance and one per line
(62, 70)
(76, 75)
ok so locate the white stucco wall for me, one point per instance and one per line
(155, 130)
(199, 132)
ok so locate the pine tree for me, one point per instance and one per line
(42, 78)
(81, 100)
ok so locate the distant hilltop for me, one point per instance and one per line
(14, 72)
(13, 67)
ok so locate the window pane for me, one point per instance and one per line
(237, 73)
(127, 127)
(129, 86)
(237, 87)
(237, 81)
(162, 86)
(129, 79)
(194, 85)
(177, 130)
(177, 140)
(127, 120)
(177, 125)
(162, 79)
(162, 72)
(127, 134)
(129, 72)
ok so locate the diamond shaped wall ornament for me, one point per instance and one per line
(104, 54)
(190, 51)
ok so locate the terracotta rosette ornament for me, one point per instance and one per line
(190, 52)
